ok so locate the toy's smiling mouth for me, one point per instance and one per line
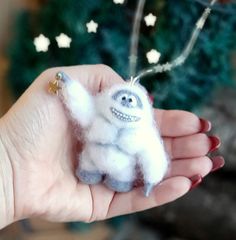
(124, 117)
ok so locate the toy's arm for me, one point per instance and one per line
(154, 162)
(76, 99)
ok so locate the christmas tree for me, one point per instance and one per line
(184, 88)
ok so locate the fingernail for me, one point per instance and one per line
(205, 125)
(196, 180)
(215, 143)
(218, 162)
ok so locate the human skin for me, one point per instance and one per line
(38, 148)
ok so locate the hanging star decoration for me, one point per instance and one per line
(153, 56)
(118, 1)
(63, 41)
(54, 86)
(92, 27)
(150, 19)
(41, 43)
(167, 67)
(201, 22)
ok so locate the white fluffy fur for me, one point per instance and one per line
(79, 102)
(112, 146)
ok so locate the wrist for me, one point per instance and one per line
(6, 184)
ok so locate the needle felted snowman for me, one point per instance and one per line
(119, 135)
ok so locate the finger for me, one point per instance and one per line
(174, 123)
(192, 146)
(134, 201)
(190, 167)
(93, 77)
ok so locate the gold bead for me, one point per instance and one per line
(54, 87)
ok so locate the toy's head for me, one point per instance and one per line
(125, 105)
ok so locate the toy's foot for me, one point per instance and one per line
(118, 186)
(148, 187)
(89, 177)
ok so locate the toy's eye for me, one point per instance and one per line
(123, 98)
(132, 101)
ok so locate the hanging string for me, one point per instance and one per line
(223, 8)
(135, 38)
(160, 68)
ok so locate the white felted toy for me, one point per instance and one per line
(119, 134)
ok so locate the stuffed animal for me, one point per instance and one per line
(119, 134)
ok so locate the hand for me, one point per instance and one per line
(39, 139)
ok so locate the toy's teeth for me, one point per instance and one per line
(124, 117)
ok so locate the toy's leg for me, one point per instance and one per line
(121, 181)
(116, 165)
(118, 186)
(87, 171)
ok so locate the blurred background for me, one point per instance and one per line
(205, 84)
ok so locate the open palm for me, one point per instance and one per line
(43, 151)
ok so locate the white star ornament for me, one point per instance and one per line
(153, 56)
(118, 1)
(92, 27)
(150, 19)
(63, 41)
(41, 43)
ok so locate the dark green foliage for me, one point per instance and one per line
(185, 87)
